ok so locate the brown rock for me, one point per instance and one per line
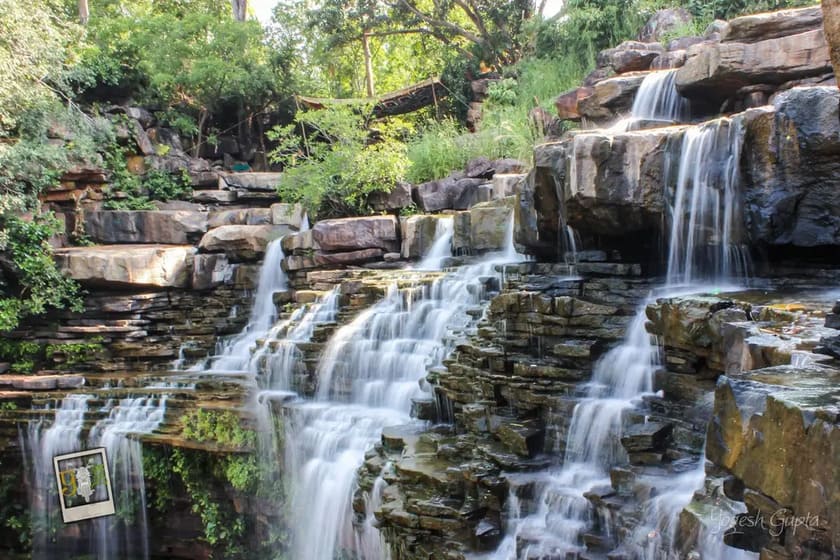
(771, 25)
(157, 227)
(241, 243)
(567, 103)
(718, 70)
(352, 234)
(163, 266)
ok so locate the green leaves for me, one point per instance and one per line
(333, 168)
(37, 284)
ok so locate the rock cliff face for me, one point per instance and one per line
(566, 405)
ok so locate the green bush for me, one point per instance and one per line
(22, 355)
(334, 168)
(34, 283)
(221, 427)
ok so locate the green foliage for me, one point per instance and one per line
(34, 161)
(35, 55)
(70, 354)
(440, 149)
(337, 167)
(585, 28)
(222, 427)
(23, 355)
(505, 129)
(166, 186)
(36, 284)
(204, 476)
(128, 191)
(503, 92)
(14, 514)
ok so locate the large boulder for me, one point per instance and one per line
(630, 56)
(792, 170)
(397, 198)
(615, 182)
(490, 224)
(418, 235)
(292, 215)
(161, 227)
(611, 97)
(716, 71)
(772, 25)
(776, 430)
(540, 200)
(454, 192)
(155, 266)
(241, 243)
(353, 234)
(663, 23)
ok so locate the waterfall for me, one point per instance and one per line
(706, 238)
(235, 354)
(441, 246)
(620, 378)
(658, 99)
(116, 537)
(39, 444)
(121, 536)
(368, 375)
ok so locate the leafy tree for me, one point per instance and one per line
(35, 58)
(338, 164)
(188, 55)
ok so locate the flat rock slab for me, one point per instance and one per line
(161, 266)
(353, 234)
(41, 382)
(176, 227)
(771, 25)
(241, 243)
(266, 182)
(718, 70)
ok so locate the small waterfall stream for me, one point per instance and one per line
(658, 99)
(124, 535)
(705, 236)
(369, 373)
(234, 354)
(705, 245)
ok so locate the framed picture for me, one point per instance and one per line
(84, 485)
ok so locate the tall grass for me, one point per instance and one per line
(505, 130)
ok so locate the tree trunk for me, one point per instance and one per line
(371, 89)
(203, 114)
(84, 11)
(240, 9)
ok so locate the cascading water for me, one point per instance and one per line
(441, 246)
(370, 371)
(234, 354)
(116, 537)
(658, 99)
(619, 379)
(125, 536)
(39, 444)
(706, 238)
(704, 245)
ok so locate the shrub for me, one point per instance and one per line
(337, 164)
(34, 283)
